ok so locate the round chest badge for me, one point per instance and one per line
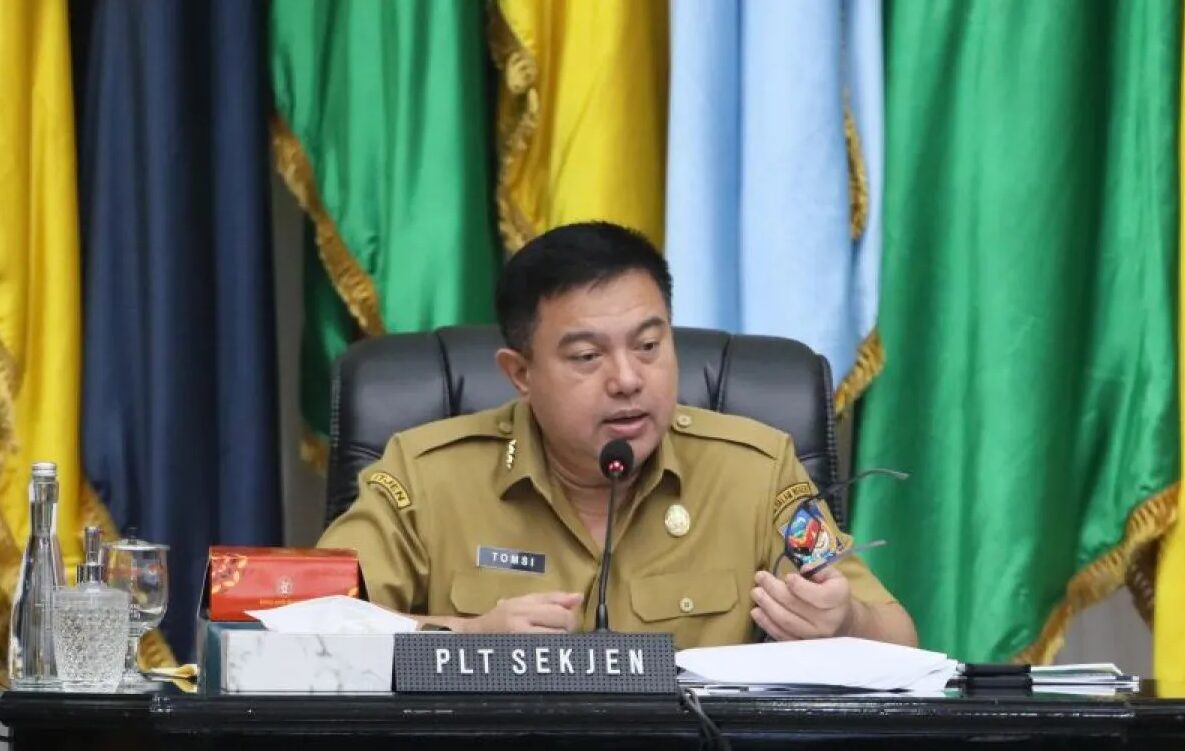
(677, 520)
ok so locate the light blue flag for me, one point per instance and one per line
(703, 163)
(864, 29)
(758, 200)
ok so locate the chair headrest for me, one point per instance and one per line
(388, 384)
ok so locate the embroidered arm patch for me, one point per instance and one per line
(790, 495)
(390, 488)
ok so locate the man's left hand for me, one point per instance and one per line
(795, 607)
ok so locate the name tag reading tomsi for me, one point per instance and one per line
(511, 560)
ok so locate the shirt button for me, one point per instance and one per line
(686, 605)
(505, 427)
(683, 421)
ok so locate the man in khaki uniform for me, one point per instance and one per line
(494, 522)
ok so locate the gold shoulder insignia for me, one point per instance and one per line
(742, 431)
(390, 488)
(790, 495)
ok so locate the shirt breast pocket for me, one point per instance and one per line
(661, 597)
(477, 592)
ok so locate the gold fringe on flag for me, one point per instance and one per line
(155, 651)
(1145, 526)
(10, 554)
(518, 120)
(9, 380)
(870, 361)
(354, 285)
(10, 566)
(314, 451)
(857, 174)
(1141, 578)
(870, 355)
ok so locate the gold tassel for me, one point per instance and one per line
(10, 554)
(10, 567)
(518, 119)
(1105, 574)
(92, 513)
(155, 651)
(314, 451)
(870, 361)
(9, 380)
(857, 174)
(354, 285)
(870, 355)
(1141, 580)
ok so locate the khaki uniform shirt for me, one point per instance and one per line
(462, 512)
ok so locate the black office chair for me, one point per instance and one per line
(391, 383)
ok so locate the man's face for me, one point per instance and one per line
(602, 366)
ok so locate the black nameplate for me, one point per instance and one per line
(590, 663)
(511, 560)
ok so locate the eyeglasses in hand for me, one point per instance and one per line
(811, 543)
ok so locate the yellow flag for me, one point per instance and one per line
(1168, 625)
(582, 114)
(40, 307)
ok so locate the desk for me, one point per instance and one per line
(174, 720)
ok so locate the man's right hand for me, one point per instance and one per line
(540, 613)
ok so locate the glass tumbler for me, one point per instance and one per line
(90, 630)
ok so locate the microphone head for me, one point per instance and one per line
(617, 458)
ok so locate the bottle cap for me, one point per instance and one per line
(47, 470)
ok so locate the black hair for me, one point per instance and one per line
(563, 259)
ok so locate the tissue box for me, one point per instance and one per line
(266, 578)
(269, 662)
(240, 578)
(210, 651)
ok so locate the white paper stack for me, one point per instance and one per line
(1086, 674)
(839, 662)
(336, 614)
(1089, 679)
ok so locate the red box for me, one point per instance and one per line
(240, 578)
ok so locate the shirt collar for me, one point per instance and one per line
(524, 461)
(662, 464)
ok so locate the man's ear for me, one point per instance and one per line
(513, 365)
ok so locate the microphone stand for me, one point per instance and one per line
(607, 551)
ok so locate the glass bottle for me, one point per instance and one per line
(31, 663)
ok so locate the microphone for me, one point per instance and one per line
(617, 461)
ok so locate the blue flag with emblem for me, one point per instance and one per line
(774, 173)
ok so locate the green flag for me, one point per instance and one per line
(1028, 307)
(382, 134)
